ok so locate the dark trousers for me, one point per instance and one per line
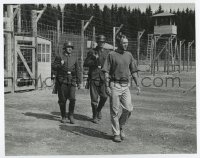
(66, 92)
(97, 88)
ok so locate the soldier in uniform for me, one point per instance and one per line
(95, 60)
(67, 78)
(117, 67)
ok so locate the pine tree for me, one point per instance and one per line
(106, 17)
(160, 10)
(98, 21)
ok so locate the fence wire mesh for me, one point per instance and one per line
(70, 29)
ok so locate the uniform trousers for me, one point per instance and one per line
(97, 88)
(66, 92)
(120, 96)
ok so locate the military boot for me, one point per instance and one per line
(63, 112)
(71, 111)
(63, 120)
(94, 114)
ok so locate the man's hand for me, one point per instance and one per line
(108, 91)
(138, 90)
(96, 56)
(78, 86)
(62, 62)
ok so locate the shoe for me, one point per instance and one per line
(99, 115)
(122, 134)
(117, 138)
(95, 120)
(71, 119)
(63, 120)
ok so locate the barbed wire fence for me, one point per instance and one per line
(82, 31)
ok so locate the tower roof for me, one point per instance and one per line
(163, 14)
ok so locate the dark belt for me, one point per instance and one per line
(119, 81)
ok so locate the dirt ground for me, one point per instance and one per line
(163, 122)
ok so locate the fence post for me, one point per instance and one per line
(180, 55)
(165, 60)
(168, 53)
(83, 28)
(175, 53)
(58, 37)
(82, 49)
(34, 29)
(11, 46)
(154, 55)
(62, 21)
(140, 33)
(115, 32)
(152, 52)
(172, 54)
(113, 38)
(191, 58)
(188, 56)
(34, 20)
(19, 19)
(93, 36)
(184, 57)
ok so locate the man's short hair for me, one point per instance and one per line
(120, 37)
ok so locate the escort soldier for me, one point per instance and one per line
(95, 60)
(67, 78)
(118, 65)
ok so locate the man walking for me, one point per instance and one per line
(95, 60)
(67, 77)
(118, 65)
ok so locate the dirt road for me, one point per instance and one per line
(163, 121)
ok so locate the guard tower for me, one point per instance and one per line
(163, 40)
(165, 24)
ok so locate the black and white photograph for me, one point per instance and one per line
(99, 79)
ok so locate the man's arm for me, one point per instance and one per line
(57, 63)
(78, 74)
(135, 78)
(108, 90)
(134, 73)
(90, 60)
(106, 70)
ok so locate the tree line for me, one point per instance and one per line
(104, 19)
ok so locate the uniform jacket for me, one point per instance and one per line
(95, 73)
(69, 72)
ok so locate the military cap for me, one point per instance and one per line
(101, 38)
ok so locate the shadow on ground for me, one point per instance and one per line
(55, 116)
(76, 116)
(78, 130)
(75, 129)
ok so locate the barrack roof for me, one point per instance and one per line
(163, 14)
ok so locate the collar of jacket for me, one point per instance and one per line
(67, 55)
(120, 51)
(99, 49)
